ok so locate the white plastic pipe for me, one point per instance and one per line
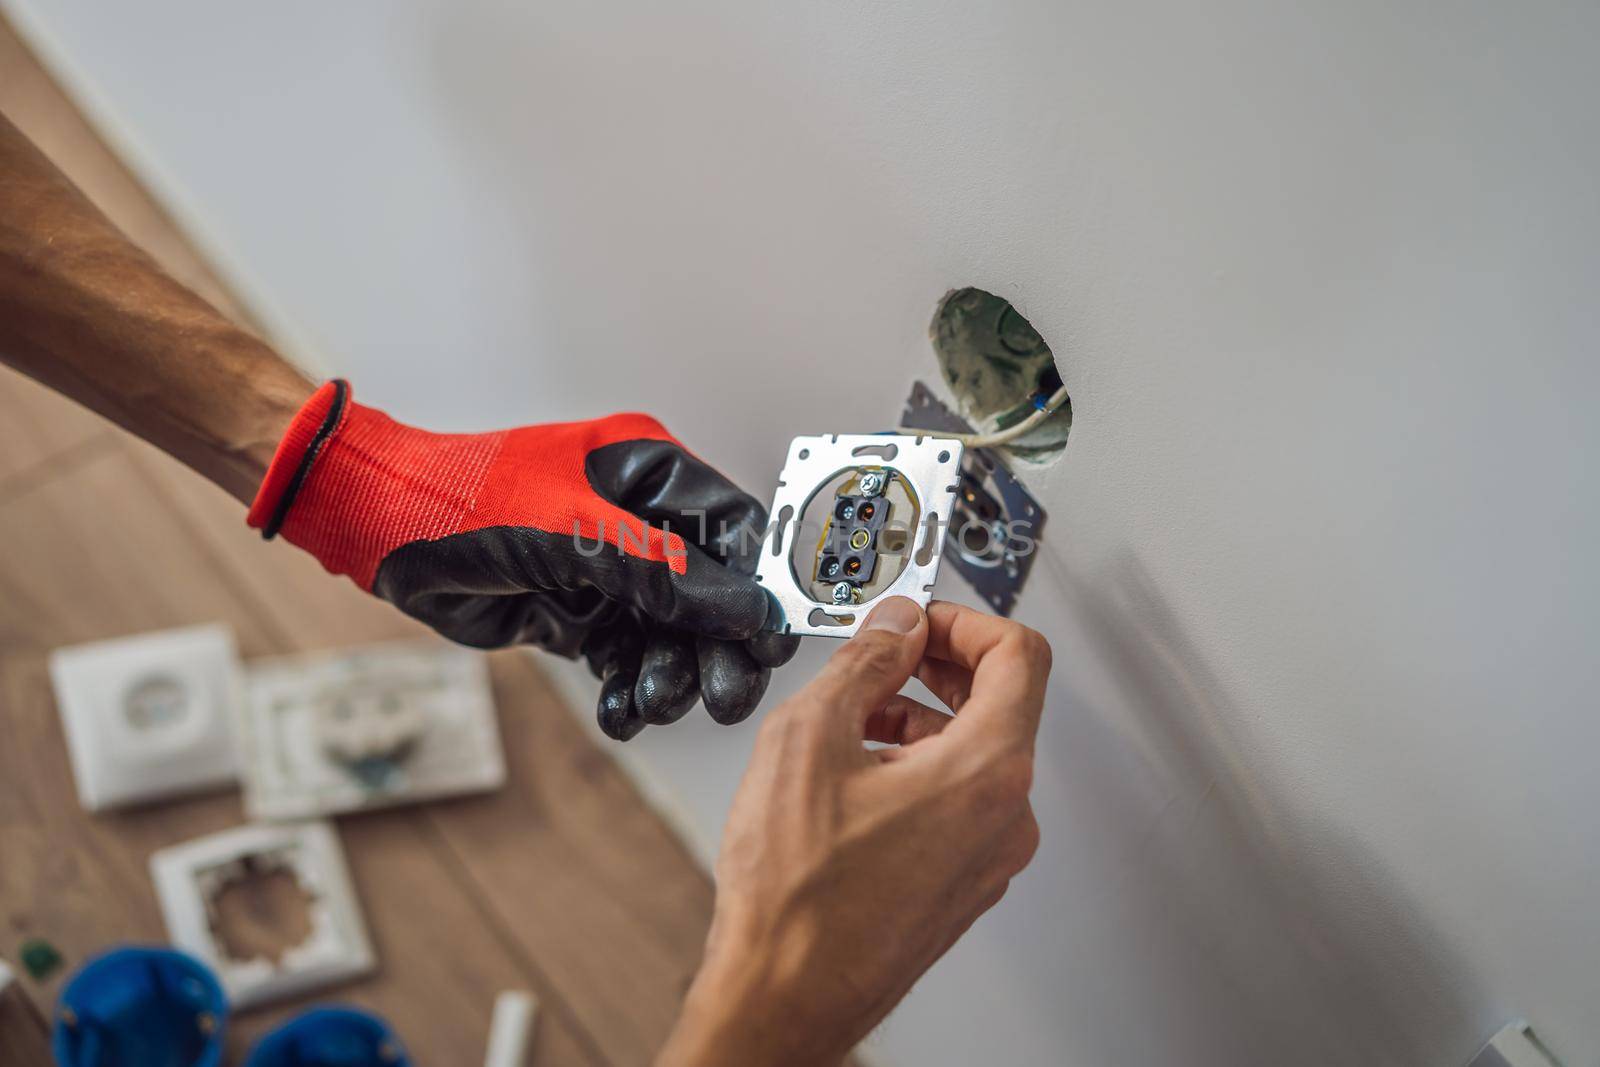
(511, 1028)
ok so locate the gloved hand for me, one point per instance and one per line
(603, 538)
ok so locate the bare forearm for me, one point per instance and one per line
(727, 1022)
(87, 313)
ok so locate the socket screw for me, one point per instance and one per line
(871, 483)
(842, 593)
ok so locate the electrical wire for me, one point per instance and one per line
(1000, 437)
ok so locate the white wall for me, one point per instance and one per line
(1317, 778)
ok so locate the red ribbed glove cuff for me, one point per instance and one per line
(314, 425)
(350, 485)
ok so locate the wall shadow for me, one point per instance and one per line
(1277, 936)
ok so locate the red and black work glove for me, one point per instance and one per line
(603, 538)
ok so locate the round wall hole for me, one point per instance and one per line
(1000, 371)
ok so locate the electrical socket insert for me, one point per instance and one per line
(851, 487)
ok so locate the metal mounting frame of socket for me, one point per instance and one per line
(931, 467)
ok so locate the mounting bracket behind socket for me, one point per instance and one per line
(995, 522)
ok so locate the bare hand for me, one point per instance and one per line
(846, 872)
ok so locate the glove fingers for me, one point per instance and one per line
(772, 649)
(614, 653)
(731, 681)
(617, 715)
(669, 677)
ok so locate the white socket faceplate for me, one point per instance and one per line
(367, 727)
(336, 949)
(149, 716)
